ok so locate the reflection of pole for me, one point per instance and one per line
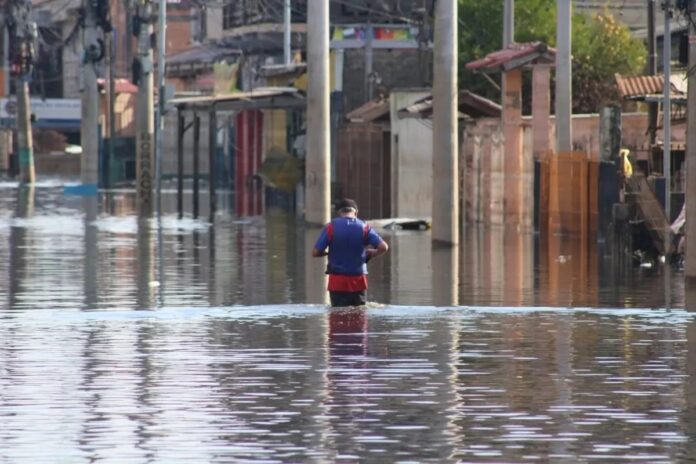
(318, 174)
(445, 205)
(89, 133)
(146, 268)
(144, 114)
(18, 242)
(91, 258)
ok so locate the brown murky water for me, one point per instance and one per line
(182, 341)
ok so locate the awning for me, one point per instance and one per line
(260, 98)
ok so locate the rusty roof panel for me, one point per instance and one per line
(370, 111)
(636, 87)
(470, 104)
(514, 56)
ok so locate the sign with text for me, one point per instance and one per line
(57, 109)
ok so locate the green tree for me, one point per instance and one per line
(601, 47)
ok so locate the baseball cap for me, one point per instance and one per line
(346, 203)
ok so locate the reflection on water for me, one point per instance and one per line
(172, 340)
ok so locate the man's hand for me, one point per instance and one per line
(372, 252)
(318, 253)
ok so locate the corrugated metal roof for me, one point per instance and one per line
(470, 104)
(514, 56)
(262, 97)
(370, 111)
(639, 87)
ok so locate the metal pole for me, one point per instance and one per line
(111, 97)
(89, 133)
(690, 262)
(287, 29)
(563, 78)
(161, 75)
(180, 127)
(445, 205)
(318, 174)
(212, 149)
(509, 23)
(196, 161)
(652, 68)
(667, 107)
(144, 117)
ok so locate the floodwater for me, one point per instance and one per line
(183, 341)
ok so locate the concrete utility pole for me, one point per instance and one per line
(318, 173)
(690, 267)
(667, 108)
(652, 67)
(564, 136)
(508, 23)
(161, 80)
(89, 127)
(287, 29)
(23, 33)
(445, 207)
(144, 110)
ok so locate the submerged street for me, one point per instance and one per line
(183, 341)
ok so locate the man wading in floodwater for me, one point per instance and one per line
(352, 243)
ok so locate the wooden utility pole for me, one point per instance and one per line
(318, 172)
(93, 52)
(144, 111)
(690, 265)
(445, 205)
(23, 35)
(564, 139)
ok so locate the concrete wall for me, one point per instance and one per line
(169, 149)
(412, 158)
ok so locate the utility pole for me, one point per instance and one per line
(445, 205)
(287, 29)
(508, 23)
(564, 140)
(144, 110)
(690, 267)
(652, 68)
(667, 109)
(93, 52)
(318, 173)
(23, 36)
(369, 60)
(161, 75)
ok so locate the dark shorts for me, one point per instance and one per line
(339, 299)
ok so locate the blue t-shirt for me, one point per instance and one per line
(347, 238)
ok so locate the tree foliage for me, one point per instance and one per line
(601, 47)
